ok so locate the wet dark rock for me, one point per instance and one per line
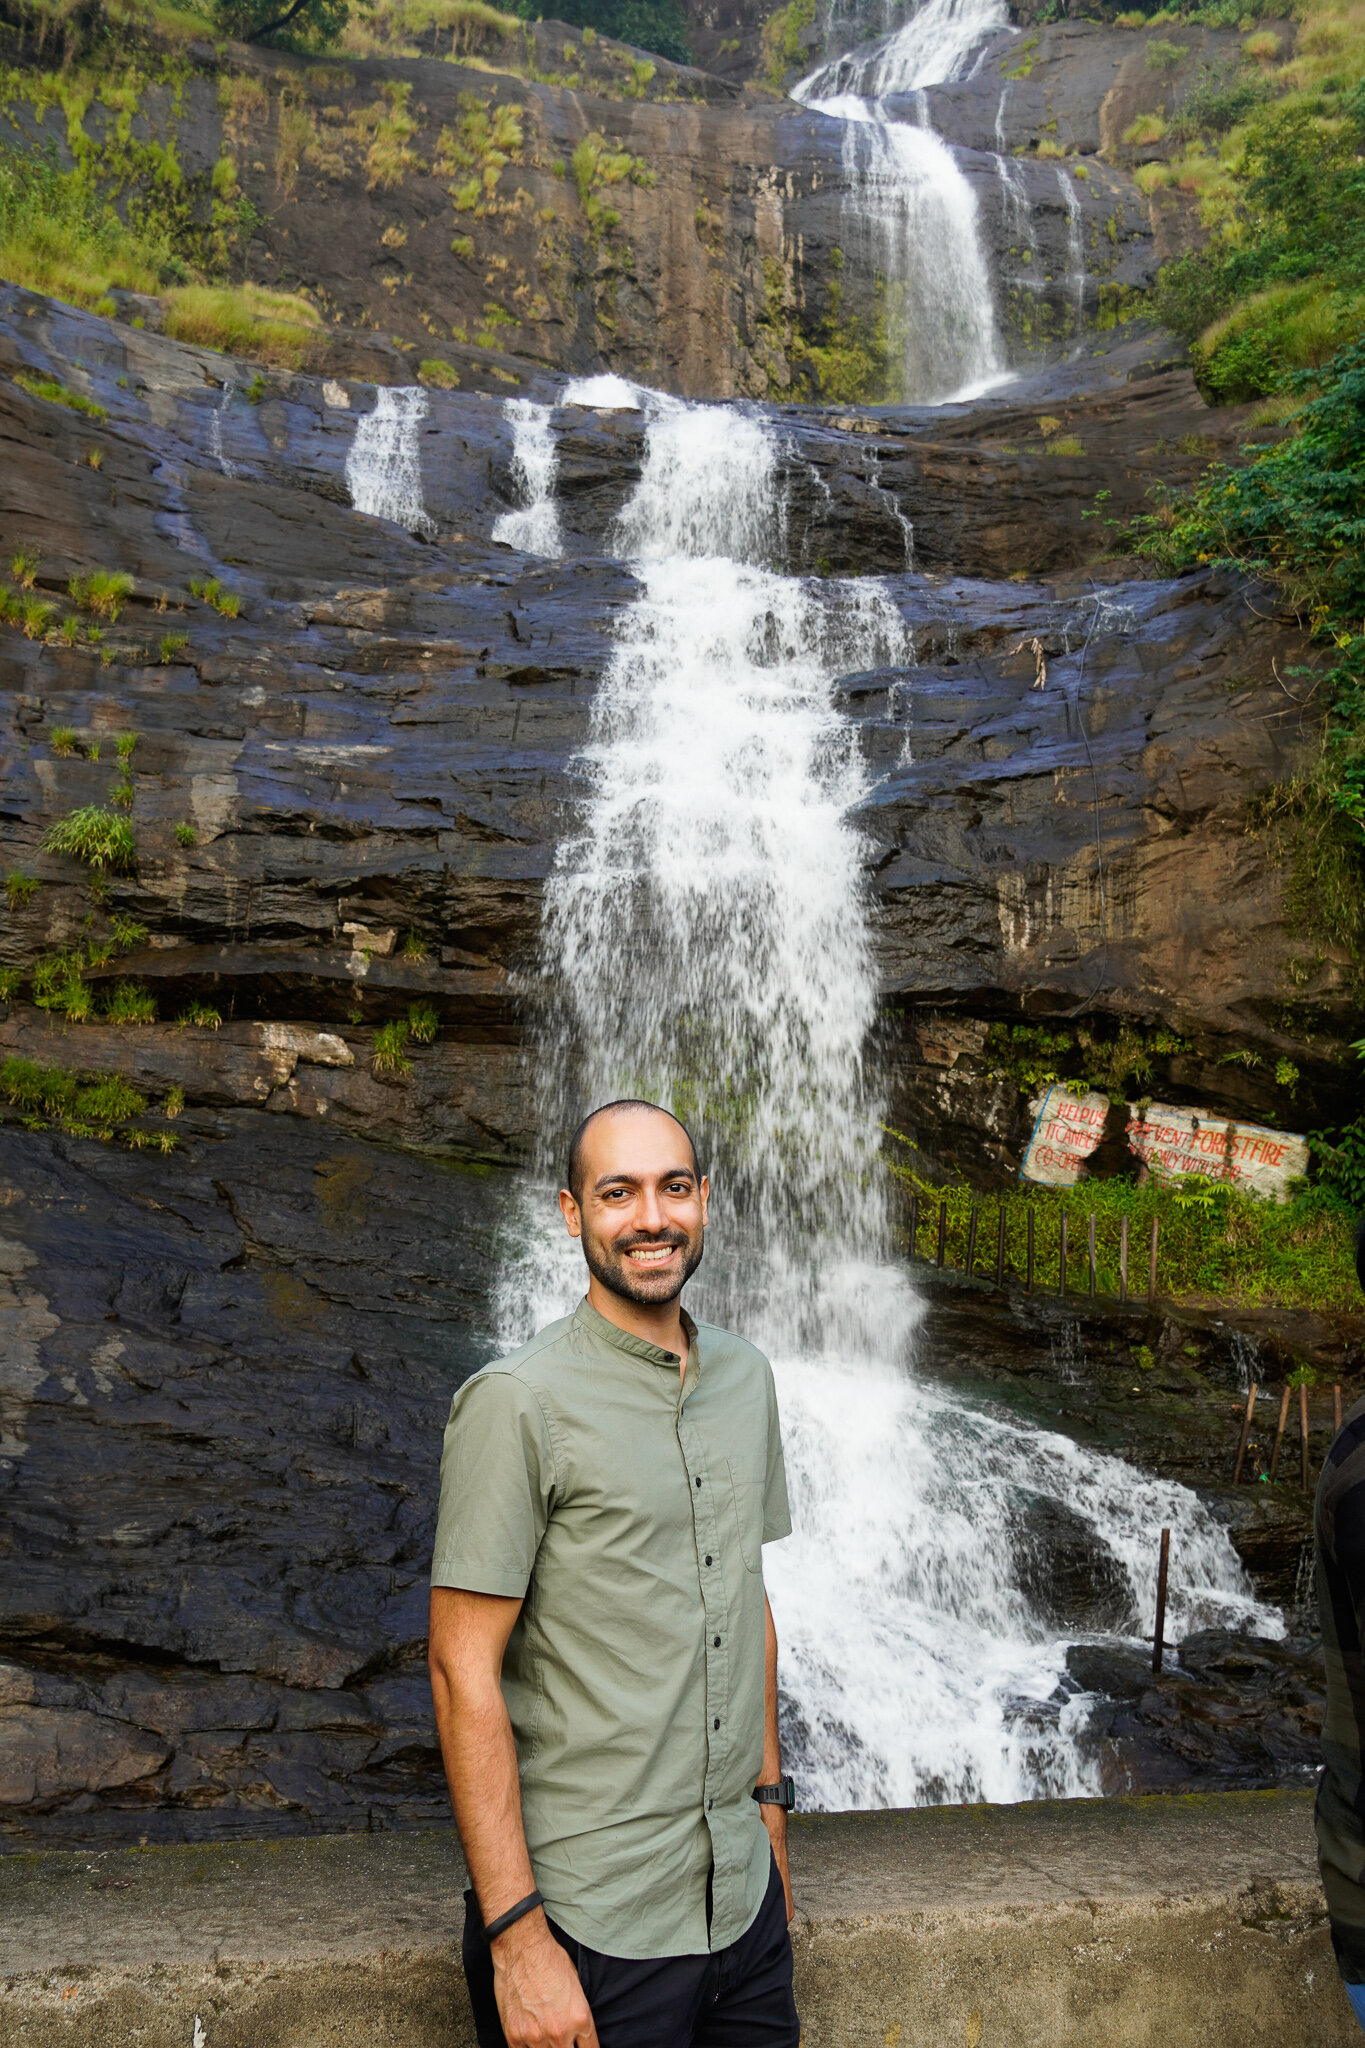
(1244, 1712)
(1072, 1580)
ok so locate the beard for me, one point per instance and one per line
(607, 1262)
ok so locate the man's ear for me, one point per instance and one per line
(568, 1209)
(705, 1192)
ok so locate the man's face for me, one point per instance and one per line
(642, 1209)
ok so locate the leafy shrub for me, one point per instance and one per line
(103, 591)
(436, 371)
(127, 931)
(388, 1056)
(59, 235)
(657, 25)
(130, 1002)
(1161, 55)
(19, 888)
(95, 836)
(423, 1022)
(1251, 352)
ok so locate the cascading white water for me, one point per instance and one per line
(384, 467)
(909, 204)
(1074, 245)
(534, 527)
(1017, 210)
(934, 46)
(914, 214)
(706, 943)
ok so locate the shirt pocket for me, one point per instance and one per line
(747, 1494)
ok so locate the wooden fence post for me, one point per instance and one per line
(971, 1241)
(1279, 1432)
(1091, 1235)
(1028, 1284)
(1061, 1261)
(942, 1234)
(1000, 1252)
(1246, 1432)
(1336, 1411)
(1159, 1632)
(1123, 1258)
(1151, 1268)
(1303, 1434)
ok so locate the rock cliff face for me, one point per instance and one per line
(355, 749)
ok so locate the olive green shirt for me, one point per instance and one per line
(630, 1512)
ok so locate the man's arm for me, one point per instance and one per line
(540, 1999)
(774, 1817)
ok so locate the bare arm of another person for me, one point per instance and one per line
(774, 1817)
(540, 1999)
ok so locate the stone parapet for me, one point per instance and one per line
(1126, 1922)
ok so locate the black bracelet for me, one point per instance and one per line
(512, 1915)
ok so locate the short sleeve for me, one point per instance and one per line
(497, 1484)
(777, 1520)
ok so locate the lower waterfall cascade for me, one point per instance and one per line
(706, 942)
(384, 468)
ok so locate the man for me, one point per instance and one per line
(603, 1659)
(1339, 1543)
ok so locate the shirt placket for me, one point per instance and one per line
(716, 1618)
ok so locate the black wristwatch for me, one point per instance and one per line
(782, 1794)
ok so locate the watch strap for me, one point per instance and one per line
(782, 1794)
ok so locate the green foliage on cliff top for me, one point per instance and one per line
(657, 25)
(288, 24)
(1215, 1245)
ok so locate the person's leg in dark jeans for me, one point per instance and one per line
(754, 2005)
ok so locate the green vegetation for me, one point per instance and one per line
(289, 24)
(413, 946)
(23, 567)
(58, 394)
(101, 1106)
(225, 602)
(103, 592)
(387, 1056)
(175, 1101)
(171, 647)
(19, 888)
(1121, 1063)
(784, 43)
(130, 1002)
(200, 1017)
(423, 1022)
(95, 836)
(127, 931)
(438, 373)
(1214, 1244)
(657, 25)
(247, 320)
(185, 834)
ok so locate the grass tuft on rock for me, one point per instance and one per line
(96, 837)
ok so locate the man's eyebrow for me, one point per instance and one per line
(609, 1180)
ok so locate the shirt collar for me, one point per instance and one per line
(587, 1318)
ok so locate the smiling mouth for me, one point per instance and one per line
(651, 1254)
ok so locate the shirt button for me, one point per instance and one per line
(717, 1642)
(699, 1482)
(708, 1560)
(709, 1804)
(716, 1722)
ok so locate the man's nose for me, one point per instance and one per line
(649, 1213)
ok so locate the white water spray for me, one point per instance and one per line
(384, 467)
(1074, 245)
(534, 527)
(935, 46)
(705, 943)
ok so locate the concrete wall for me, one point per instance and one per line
(1167, 1921)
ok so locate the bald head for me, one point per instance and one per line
(628, 1106)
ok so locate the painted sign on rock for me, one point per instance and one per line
(1184, 1141)
(1066, 1130)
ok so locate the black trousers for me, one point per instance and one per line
(741, 1998)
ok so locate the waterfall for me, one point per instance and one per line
(1074, 246)
(1017, 210)
(706, 942)
(535, 527)
(914, 214)
(384, 467)
(909, 204)
(933, 47)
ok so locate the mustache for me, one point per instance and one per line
(678, 1238)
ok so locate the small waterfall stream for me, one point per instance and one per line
(909, 204)
(534, 527)
(705, 941)
(384, 467)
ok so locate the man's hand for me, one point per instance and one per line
(775, 1821)
(540, 2000)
